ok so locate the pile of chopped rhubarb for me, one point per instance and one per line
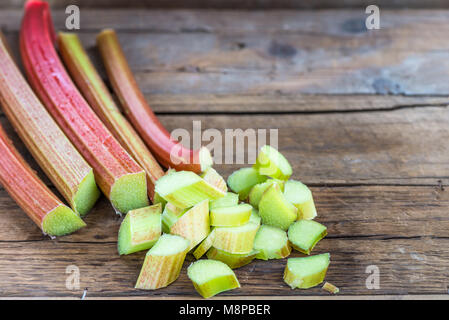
(70, 123)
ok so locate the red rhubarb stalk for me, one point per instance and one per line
(30, 193)
(167, 150)
(117, 174)
(97, 94)
(56, 155)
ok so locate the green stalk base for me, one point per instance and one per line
(86, 196)
(129, 192)
(61, 221)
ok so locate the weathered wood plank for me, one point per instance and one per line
(406, 146)
(323, 52)
(285, 103)
(407, 266)
(234, 4)
(373, 212)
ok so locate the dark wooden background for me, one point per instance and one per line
(362, 116)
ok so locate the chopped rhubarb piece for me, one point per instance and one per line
(140, 229)
(184, 189)
(194, 224)
(275, 210)
(163, 262)
(305, 234)
(271, 243)
(307, 272)
(272, 163)
(230, 199)
(236, 239)
(210, 277)
(231, 216)
(233, 260)
(301, 197)
(242, 180)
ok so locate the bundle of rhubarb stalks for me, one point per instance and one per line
(72, 126)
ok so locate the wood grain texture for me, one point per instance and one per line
(313, 52)
(385, 226)
(362, 117)
(235, 4)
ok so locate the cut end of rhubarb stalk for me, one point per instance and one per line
(140, 229)
(271, 243)
(233, 260)
(129, 192)
(275, 210)
(86, 196)
(61, 221)
(194, 224)
(236, 239)
(272, 163)
(305, 234)
(231, 216)
(301, 197)
(210, 277)
(163, 262)
(184, 189)
(307, 272)
(242, 180)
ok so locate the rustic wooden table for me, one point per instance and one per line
(362, 116)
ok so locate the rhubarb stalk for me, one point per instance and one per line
(167, 150)
(30, 193)
(117, 174)
(97, 94)
(56, 155)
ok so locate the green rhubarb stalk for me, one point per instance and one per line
(194, 224)
(305, 234)
(275, 210)
(231, 216)
(233, 260)
(307, 272)
(184, 189)
(242, 180)
(272, 163)
(210, 277)
(301, 197)
(205, 245)
(271, 243)
(163, 262)
(140, 229)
